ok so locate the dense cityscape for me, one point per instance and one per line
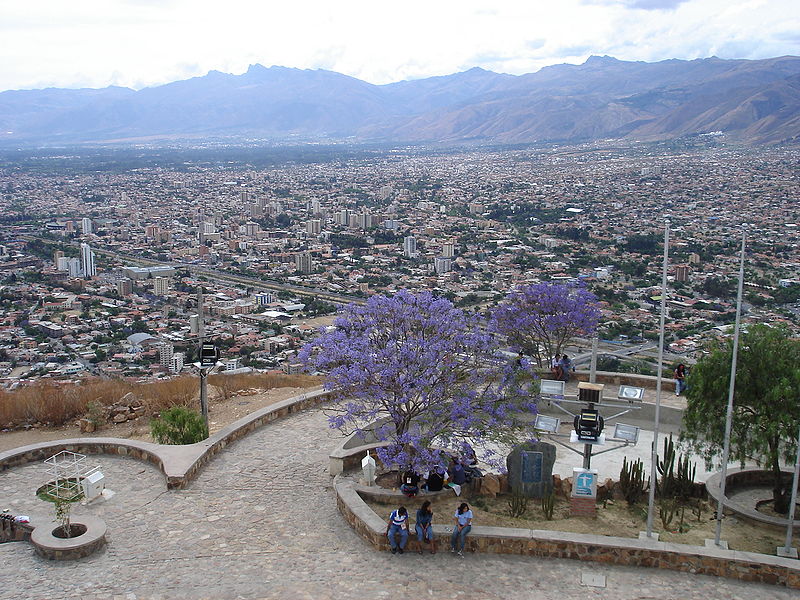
(100, 268)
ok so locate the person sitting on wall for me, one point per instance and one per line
(398, 527)
(435, 481)
(410, 485)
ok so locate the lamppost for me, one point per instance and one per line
(208, 358)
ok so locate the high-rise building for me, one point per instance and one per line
(176, 365)
(208, 228)
(72, 266)
(682, 273)
(251, 229)
(448, 249)
(86, 225)
(125, 287)
(165, 354)
(442, 265)
(303, 262)
(56, 255)
(342, 217)
(314, 227)
(161, 286)
(410, 246)
(87, 261)
(152, 232)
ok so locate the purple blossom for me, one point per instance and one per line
(540, 319)
(429, 372)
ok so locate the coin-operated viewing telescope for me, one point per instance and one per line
(588, 424)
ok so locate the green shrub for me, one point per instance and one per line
(178, 425)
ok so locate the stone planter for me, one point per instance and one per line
(47, 543)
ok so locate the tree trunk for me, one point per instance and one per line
(780, 490)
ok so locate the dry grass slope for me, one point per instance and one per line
(55, 405)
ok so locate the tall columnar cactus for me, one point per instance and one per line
(632, 481)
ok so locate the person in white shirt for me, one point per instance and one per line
(398, 526)
(463, 521)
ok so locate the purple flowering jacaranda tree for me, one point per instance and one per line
(540, 319)
(427, 375)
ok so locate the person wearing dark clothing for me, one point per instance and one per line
(457, 473)
(680, 379)
(566, 367)
(410, 485)
(435, 481)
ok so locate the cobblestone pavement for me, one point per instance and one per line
(260, 521)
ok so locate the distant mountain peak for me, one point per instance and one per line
(595, 60)
(604, 98)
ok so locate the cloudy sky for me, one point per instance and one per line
(138, 43)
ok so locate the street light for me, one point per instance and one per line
(547, 424)
(630, 393)
(551, 388)
(626, 433)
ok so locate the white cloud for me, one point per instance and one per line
(148, 42)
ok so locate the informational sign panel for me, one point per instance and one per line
(532, 467)
(584, 483)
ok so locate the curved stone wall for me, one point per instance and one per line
(180, 464)
(747, 477)
(746, 566)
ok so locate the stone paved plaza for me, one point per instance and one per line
(260, 521)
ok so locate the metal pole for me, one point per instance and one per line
(593, 367)
(726, 450)
(651, 498)
(787, 549)
(201, 332)
(587, 456)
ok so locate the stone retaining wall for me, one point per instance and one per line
(180, 464)
(746, 566)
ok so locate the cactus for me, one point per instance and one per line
(517, 504)
(631, 479)
(675, 484)
(548, 505)
(666, 511)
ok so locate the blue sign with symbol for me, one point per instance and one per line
(583, 484)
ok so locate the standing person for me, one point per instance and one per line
(398, 525)
(680, 379)
(566, 366)
(463, 520)
(424, 526)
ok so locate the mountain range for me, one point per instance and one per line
(752, 101)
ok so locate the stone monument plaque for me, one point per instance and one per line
(530, 469)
